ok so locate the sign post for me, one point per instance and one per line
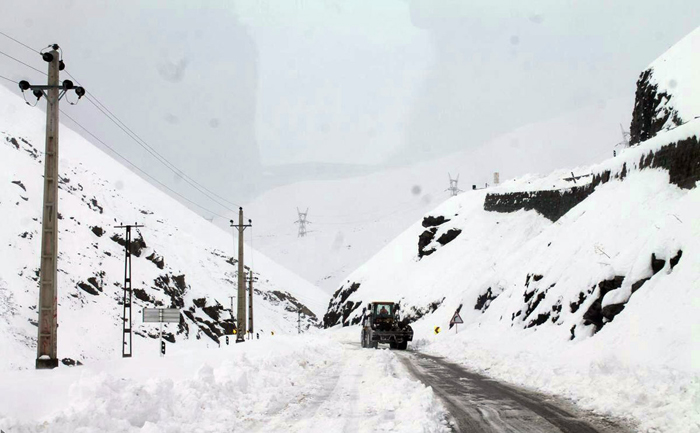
(456, 319)
(161, 315)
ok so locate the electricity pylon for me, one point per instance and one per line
(302, 221)
(453, 189)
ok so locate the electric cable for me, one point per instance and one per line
(25, 64)
(138, 168)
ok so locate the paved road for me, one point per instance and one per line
(478, 404)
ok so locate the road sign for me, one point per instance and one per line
(161, 315)
(456, 319)
(437, 330)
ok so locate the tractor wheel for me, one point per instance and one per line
(402, 346)
(392, 345)
(362, 339)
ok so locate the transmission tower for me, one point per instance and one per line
(126, 314)
(453, 189)
(302, 221)
(625, 138)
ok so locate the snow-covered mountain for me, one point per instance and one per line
(585, 285)
(180, 260)
(668, 93)
(351, 219)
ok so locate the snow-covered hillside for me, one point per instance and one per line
(351, 219)
(668, 91)
(613, 280)
(180, 259)
(586, 286)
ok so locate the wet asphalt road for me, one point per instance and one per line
(478, 404)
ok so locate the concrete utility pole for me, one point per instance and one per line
(126, 313)
(250, 302)
(298, 321)
(453, 189)
(232, 316)
(240, 335)
(496, 178)
(302, 222)
(47, 343)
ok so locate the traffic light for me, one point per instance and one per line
(162, 347)
(227, 340)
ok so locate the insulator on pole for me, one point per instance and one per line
(24, 85)
(48, 57)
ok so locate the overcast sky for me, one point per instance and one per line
(231, 90)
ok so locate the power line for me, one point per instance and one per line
(8, 79)
(135, 137)
(25, 64)
(21, 43)
(138, 168)
(157, 155)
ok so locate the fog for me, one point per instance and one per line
(247, 95)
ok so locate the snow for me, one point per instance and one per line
(676, 72)
(642, 366)
(314, 382)
(98, 192)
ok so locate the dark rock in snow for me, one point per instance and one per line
(19, 184)
(71, 362)
(638, 284)
(88, 288)
(97, 230)
(143, 296)
(156, 260)
(424, 240)
(594, 314)
(484, 300)
(336, 305)
(675, 259)
(657, 264)
(610, 311)
(651, 110)
(434, 221)
(448, 236)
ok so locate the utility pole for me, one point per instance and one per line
(240, 335)
(126, 313)
(250, 303)
(453, 189)
(298, 321)
(232, 316)
(302, 222)
(47, 343)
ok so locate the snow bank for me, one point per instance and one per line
(293, 383)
